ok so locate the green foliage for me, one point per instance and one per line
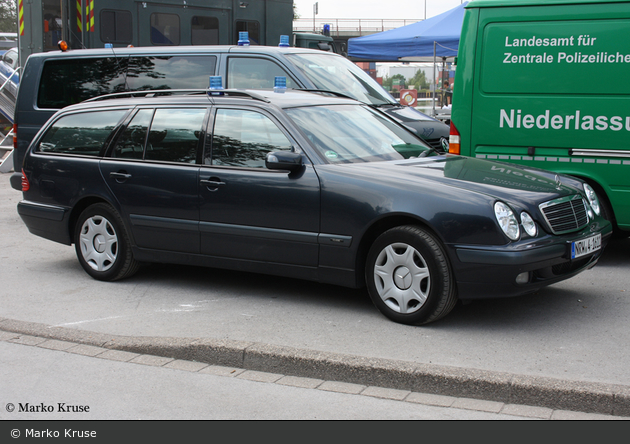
(389, 81)
(419, 80)
(8, 16)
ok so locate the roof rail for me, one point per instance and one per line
(168, 92)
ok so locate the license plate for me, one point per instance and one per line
(586, 246)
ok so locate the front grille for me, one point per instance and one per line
(565, 214)
(434, 143)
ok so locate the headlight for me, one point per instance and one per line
(528, 224)
(507, 220)
(592, 198)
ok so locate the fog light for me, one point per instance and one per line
(522, 278)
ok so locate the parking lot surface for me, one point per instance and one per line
(562, 348)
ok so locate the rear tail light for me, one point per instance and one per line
(15, 136)
(454, 146)
(25, 184)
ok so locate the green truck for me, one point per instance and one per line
(544, 83)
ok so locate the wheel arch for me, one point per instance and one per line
(79, 207)
(380, 226)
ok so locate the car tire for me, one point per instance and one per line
(409, 277)
(102, 244)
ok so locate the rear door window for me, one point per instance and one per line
(83, 134)
(164, 134)
(174, 135)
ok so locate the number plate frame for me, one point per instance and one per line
(584, 247)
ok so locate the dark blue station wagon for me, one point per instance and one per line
(304, 185)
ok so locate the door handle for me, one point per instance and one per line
(213, 183)
(120, 176)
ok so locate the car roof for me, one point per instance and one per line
(178, 50)
(288, 99)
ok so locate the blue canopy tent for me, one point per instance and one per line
(434, 37)
(430, 40)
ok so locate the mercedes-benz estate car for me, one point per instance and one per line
(302, 185)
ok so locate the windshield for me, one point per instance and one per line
(334, 73)
(354, 133)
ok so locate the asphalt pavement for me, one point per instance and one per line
(563, 349)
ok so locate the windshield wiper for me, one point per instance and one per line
(431, 150)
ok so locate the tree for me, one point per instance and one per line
(8, 16)
(419, 80)
(389, 81)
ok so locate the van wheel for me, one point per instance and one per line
(408, 276)
(102, 244)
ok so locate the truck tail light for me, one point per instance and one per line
(454, 140)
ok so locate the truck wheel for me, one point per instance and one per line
(102, 244)
(408, 276)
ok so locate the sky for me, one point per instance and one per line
(374, 9)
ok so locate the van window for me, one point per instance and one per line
(334, 73)
(252, 28)
(204, 30)
(186, 72)
(69, 81)
(256, 73)
(116, 26)
(164, 29)
(84, 133)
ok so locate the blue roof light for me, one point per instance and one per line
(243, 38)
(284, 41)
(216, 83)
(280, 84)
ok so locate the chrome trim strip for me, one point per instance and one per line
(600, 153)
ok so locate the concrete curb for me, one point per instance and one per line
(558, 394)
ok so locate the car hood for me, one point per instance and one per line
(423, 125)
(497, 179)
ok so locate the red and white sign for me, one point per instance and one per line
(409, 97)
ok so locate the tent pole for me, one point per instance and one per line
(434, 77)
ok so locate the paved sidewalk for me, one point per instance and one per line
(482, 391)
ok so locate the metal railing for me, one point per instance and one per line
(350, 27)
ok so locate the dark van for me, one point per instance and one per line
(53, 80)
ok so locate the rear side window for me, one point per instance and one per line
(84, 134)
(68, 81)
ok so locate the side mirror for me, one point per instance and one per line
(284, 160)
(324, 46)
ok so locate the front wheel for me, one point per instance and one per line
(408, 276)
(102, 244)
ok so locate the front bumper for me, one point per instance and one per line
(483, 272)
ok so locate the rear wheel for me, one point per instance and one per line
(102, 244)
(408, 276)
